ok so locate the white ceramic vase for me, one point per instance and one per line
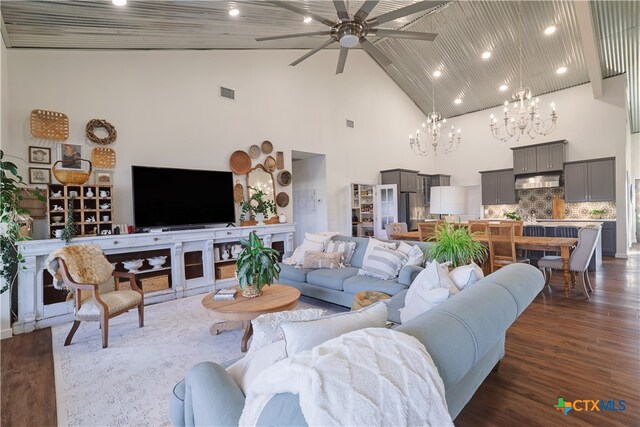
(260, 218)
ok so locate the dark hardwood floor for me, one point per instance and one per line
(567, 347)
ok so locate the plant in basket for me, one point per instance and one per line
(258, 205)
(457, 246)
(256, 267)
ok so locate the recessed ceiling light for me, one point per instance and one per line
(550, 30)
(486, 55)
(503, 88)
(437, 73)
(561, 70)
(119, 2)
(457, 101)
(234, 12)
(307, 19)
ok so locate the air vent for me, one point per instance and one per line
(225, 92)
(350, 124)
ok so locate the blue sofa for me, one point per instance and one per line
(465, 336)
(339, 286)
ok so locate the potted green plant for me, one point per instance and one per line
(256, 267)
(597, 213)
(258, 206)
(456, 245)
(515, 216)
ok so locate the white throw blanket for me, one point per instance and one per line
(372, 377)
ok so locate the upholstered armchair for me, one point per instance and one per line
(97, 291)
(394, 228)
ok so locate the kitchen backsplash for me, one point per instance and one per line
(537, 203)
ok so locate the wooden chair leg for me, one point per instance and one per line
(141, 315)
(104, 322)
(573, 280)
(74, 328)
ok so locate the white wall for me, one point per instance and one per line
(311, 175)
(166, 109)
(5, 298)
(594, 128)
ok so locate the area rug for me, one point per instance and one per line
(129, 382)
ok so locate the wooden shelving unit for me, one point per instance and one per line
(361, 210)
(86, 208)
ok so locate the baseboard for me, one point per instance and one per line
(622, 256)
(6, 333)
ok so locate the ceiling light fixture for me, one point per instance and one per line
(561, 70)
(457, 101)
(432, 131)
(307, 19)
(437, 73)
(524, 118)
(550, 30)
(234, 12)
(119, 2)
(486, 55)
(503, 88)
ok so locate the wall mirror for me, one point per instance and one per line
(259, 178)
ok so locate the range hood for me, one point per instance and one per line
(538, 181)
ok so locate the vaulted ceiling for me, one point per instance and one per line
(465, 30)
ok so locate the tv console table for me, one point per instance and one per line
(190, 266)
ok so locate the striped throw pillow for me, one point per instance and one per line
(345, 248)
(383, 263)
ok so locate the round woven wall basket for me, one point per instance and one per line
(69, 177)
(101, 124)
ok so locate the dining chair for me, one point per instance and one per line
(534, 231)
(579, 260)
(566, 231)
(502, 246)
(97, 296)
(478, 226)
(518, 226)
(395, 227)
(427, 230)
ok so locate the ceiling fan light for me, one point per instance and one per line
(561, 70)
(307, 19)
(119, 2)
(550, 30)
(486, 54)
(437, 73)
(457, 101)
(234, 12)
(349, 40)
(503, 88)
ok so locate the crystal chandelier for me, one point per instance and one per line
(524, 118)
(432, 133)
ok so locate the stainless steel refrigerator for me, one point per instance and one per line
(408, 210)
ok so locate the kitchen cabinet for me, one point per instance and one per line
(590, 181)
(498, 187)
(406, 180)
(609, 238)
(539, 158)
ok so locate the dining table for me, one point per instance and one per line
(534, 243)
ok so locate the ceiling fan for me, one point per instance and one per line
(349, 31)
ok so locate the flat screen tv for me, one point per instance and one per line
(166, 197)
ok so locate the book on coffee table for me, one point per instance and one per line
(225, 294)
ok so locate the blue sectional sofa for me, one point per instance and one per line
(465, 337)
(339, 286)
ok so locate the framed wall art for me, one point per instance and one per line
(70, 154)
(40, 155)
(39, 176)
(103, 178)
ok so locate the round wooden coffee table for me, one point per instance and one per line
(274, 298)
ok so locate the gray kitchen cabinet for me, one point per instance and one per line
(550, 157)
(609, 238)
(498, 187)
(590, 181)
(406, 180)
(525, 160)
(440, 180)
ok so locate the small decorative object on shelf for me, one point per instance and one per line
(258, 206)
(157, 262)
(133, 266)
(70, 229)
(256, 267)
(99, 123)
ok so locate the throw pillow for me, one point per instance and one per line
(345, 248)
(383, 264)
(414, 254)
(420, 298)
(314, 259)
(311, 242)
(374, 243)
(245, 370)
(266, 327)
(466, 275)
(304, 335)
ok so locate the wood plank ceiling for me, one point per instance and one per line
(465, 30)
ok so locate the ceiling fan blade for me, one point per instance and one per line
(375, 52)
(404, 11)
(289, 6)
(289, 36)
(311, 52)
(341, 8)
(365, 9)
(402, 34)
(342, 59)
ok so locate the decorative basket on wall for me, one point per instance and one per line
(71, 177)
(49, 125)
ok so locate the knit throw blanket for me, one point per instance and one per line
(372, 377)
(85, 263)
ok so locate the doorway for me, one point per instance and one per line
(309, 189)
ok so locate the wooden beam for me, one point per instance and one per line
(589, 42)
